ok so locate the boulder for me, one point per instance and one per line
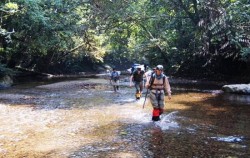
(6, 82)
(237, 88)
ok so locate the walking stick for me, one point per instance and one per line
(145, 99)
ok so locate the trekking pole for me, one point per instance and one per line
(145, 99)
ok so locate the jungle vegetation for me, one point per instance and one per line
(194, 38)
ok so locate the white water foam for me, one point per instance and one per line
(167, 121)
(229, 139)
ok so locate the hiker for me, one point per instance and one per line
(159, 87)
(114, 79)
(137, 79)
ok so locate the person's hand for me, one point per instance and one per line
(169, 97)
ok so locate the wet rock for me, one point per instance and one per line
(6, 82)
(237, 88)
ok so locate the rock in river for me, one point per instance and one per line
(237, 88)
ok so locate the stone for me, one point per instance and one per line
(237, 88)
(6, 82)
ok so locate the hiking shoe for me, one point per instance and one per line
(155, 118)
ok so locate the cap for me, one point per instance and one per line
(159, 67)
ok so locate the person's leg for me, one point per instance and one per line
(137, 87)
(117, 85)
(156, 114)
(113, 85)
(137, 94)
(161, 102)
(141, 86)
(154, 102)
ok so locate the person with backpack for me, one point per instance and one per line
(159, 87)
(114, 79)
(137, 79)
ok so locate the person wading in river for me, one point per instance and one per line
(159, 86)
(114, 79)
(137, 78)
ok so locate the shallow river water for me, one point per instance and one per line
(84, 118)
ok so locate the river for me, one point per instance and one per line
(84, 118)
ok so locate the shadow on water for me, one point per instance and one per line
(199, 121)
(211, 126)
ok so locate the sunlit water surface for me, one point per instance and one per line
(85, 118)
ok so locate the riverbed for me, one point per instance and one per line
(84, 118)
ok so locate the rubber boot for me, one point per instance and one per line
(156, 114)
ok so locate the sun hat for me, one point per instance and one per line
(159, 67)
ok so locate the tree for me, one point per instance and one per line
(7, 9)
(51, 33)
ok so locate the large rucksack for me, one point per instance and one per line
(152, 79)
(133, 68)
(138, 77)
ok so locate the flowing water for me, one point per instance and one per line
(84, 118)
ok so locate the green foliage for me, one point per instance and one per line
(53, 34)
(225, 31)
(10, 6)
(6, 71)
(173, 32)
(52, 31)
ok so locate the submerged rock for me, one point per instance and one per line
(237, 88)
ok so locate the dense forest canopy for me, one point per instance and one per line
(211, 37)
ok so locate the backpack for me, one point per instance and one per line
(138, 77)
(152, 79)
(133, 68)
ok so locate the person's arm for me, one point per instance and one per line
(147, 85)
(119, 74)
(167, 88)
(111, 77)
(131, 80)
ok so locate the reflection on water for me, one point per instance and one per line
(85, 118)
(237, 98)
